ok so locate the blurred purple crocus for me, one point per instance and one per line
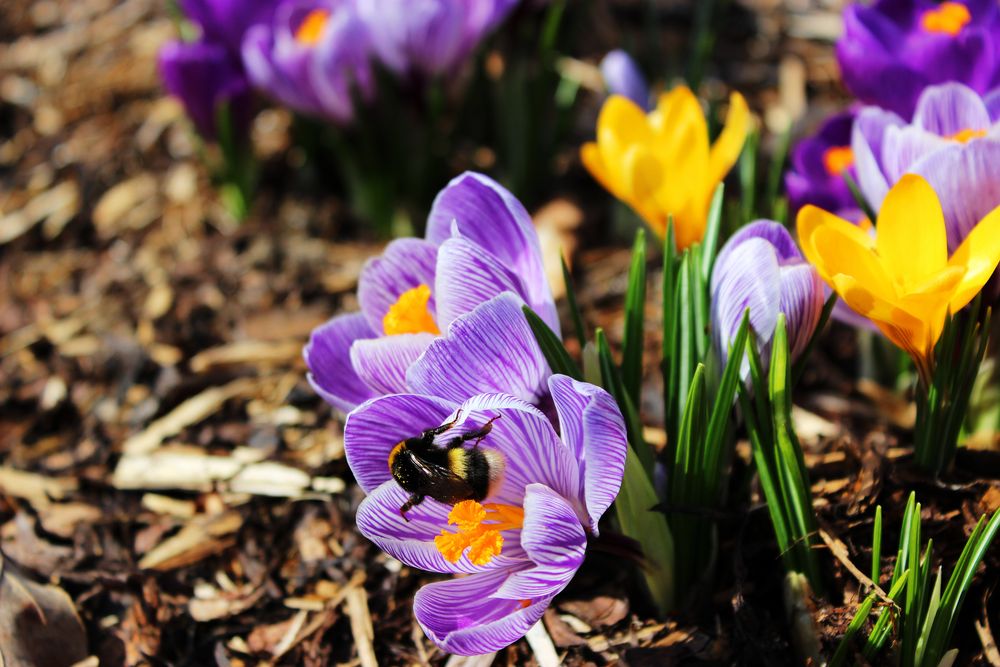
(622, 76)
(524, 542)
(953, 142)
(312, 56)
(431, 37)
(479, 263)
(204, 75)
(762, 269)
(893, 49)
(818, 165)
(226, 21)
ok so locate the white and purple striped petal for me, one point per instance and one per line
(328, 356)
(405, 264)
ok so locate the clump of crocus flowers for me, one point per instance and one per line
(903, 279)
(662, 164)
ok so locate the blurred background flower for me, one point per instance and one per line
(818, 165)
(952, 142)
(622, 76)
(893, 49)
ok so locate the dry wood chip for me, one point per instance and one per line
(356, 603)
(55, 206)
(471, 661)
(223, 605)
(189, 412)
(182, 509)
(38, 490)
(263, 353)
(200, 538)
(130, 204)
(542, 646)
(62, 518)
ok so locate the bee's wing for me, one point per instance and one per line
(442, 484)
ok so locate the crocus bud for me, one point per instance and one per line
(623, 77)
(203, 75)
(312, 56)
(761, 268)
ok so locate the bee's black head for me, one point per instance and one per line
(402, 467)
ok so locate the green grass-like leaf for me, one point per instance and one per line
(635, 320)
(552, 348)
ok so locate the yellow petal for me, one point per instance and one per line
(910, 232)
(810, 219)
(842, 251)
(929, 302)
(726, 149)
(681, 133)
(590, 156)
(908, 332)
(643, 174)
(620, 124)
(979, 254)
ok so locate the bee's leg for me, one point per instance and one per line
(438, 430)
(415, 499)
(480, 432)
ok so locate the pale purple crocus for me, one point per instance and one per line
(429, 37)
(622, 76)
(204, 76)
(554, 489)
(762, 269)
(314, 56)
(456, 294)
(953, 142)
(893, 49)
(818, 164)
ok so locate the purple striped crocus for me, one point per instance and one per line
(430, 37)
(953, 142)
(313, 55)
(893, 49)
(442, 315)
(818, 165)
(761, 268)
(524, 542)
(203, 76)
(622, 76)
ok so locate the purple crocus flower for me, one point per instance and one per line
(312, 56)
(203, 75)
(818, 165)
(432, 37)
(953, 142)
(226, 21)
(479, 262)
(622, 76)
(892, 50)
(524, 542)
(761, 268)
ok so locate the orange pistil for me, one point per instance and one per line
(837, 158)
(479, 528)
(525, 604)
(410, 313)
(948, 18)
(311, 28)
(967, 135)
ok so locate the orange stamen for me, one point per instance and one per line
(410, 313)
(967, 135)
(837, 158)
(311, 28)
(948, 18)
(479, 528)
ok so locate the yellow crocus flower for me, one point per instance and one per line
(661, 163)
(902, 279)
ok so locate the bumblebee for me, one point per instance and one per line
(450, 473)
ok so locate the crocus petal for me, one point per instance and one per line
(468, 276)
(491, 349)
(487, 214)
(530, 447)
(591, 424)
(903, 146)
(772, 232)
(809, 220)
(948, 109)
(910, 236)
(553, 539)
(375, 427)
(750, 278)
(461, 617)
(801, 300)
(965, 179)
(844, 253)
(906, 331)
(727, 147)
(622, 77)
(382, 362)
(405, 264)
(866, 143)
(979, 253)
(329, 360)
